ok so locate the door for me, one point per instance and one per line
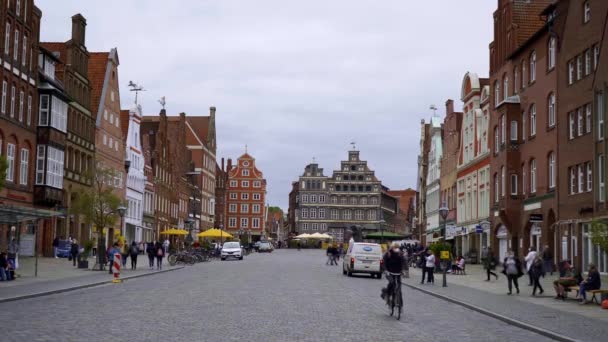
(502, 249)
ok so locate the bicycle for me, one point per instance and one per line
(394, 299)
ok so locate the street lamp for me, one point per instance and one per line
(189, 223)
(443, 211)
(121, 212)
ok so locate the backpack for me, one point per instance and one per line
(134, 250)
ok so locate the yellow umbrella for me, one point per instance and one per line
(174, 231)
(214, 233)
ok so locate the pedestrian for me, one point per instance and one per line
(112, 250)
(160, 253)
(572, 277)
(4, 271)
(13, 251)
(548, 260)
(489, 263)
(340, 251)
(299, 245)
(151, 253)
(512, 269)
(329, 254)
(422, 264)
(134, 252)
(430, 266)
(529, 260)
(55, 246)
(537, 271)
(335, 254)
(74, 251)
(124, 252)
(166, 245)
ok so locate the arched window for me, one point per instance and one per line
(524, 185)
(496, 93)
(551, 53)
(533, 176)
(533, 120)
(533, 67)
(551, 167)
(505, 85)
(551, 110)
(524, 74)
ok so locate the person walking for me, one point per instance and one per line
(134, 251)
(422, 264)
(537, 271)
(74, 251)
(512, 269)
(430, 266)
(124, 252)
(160, 253)
(55, 246)
(166, 245)
(529, 260)
(330, 255)
(111, 251)
(335, 255)
(548, 260)
(489, 263)
(151, 253)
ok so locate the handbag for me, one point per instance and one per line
(159, 252)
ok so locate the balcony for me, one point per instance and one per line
(47, 196)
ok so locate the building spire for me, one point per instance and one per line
(246, 148)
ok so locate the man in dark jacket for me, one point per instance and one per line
(393, 262)
(55, 246)
(74, 251)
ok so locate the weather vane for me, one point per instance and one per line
(245, 148)
(434, 109)
(354, 145)
(162, 102)
(136, 88)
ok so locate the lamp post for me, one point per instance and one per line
(189, 223)
(443, 211)
(221, 233)
(121, 212)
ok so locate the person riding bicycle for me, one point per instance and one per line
(393, 262)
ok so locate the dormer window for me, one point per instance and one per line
(586, 12)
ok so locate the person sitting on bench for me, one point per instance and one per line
(570, 278)
(593, 282)
(459, 265)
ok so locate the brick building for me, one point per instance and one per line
(80, 143)
(449, 161)
(294, 199)
(473, 170)
(221, 179)
(423, 162)
(407, 204)
(148, 219)
(109, 143)
(433, 189)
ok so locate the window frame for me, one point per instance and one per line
(514, 182)
(551, 170)
(551, 49)
(533, 67)
(533, 176)
(551, 110)
(532, 120)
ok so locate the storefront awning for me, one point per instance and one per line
(11, 214)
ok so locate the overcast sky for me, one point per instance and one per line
(294, 79)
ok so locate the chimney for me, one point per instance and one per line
(229, 167)
(449, 107)
(222, 164)
(212, 112)
(79, 24)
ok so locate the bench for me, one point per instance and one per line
(594, 293)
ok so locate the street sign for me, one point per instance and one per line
(445, 255)
(478, 229)
(536, 217)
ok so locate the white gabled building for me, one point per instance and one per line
(136, 180)
(433, 189)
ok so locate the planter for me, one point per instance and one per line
(83, 264)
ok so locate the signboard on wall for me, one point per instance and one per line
(26, 245)
(536, 217)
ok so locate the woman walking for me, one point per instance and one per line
(124, 253)
(512, 269)
(160, 253)
(489, 263)
(537, 271)
(134, 251)
(151, 253)
(430, 267)
(74, 251)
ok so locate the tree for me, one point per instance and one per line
(98, 205)
(599, 234)
(3, 168)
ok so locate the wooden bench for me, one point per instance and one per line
(592, 292)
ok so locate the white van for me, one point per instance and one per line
(363, 257)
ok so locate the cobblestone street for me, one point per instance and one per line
(283, 296)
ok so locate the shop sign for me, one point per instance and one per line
(450, 232)
(536, 217)
(536, 230)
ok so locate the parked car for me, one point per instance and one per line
(256, 246)
(63, 250)
(363, 258)
(265, 246)
(232, 250)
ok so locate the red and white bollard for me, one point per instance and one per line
(117, 264)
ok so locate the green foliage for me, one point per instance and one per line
(3, 168)
(88, 247)
(437, 247)
(273, 210)
(599, 234)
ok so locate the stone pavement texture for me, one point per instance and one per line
(283, 296)
(59, 274)
(582, 322)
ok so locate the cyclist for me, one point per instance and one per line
(393, 262)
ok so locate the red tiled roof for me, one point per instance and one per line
(56, 47)
(98, 63)
(200, 125)
(527, 18)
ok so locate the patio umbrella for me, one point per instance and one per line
(174, 231)
(214, 233)
(327, 236)
(316, 236)
(303, 236)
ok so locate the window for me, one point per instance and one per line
(12, 101)
(533, 176)
(245, 184)
(304, 213)
(257, 184)
(359, 215)
(588, 62)
(600, 116)
(533, 120)
(244, 196)
(523, 126)
(503, 129)
(502, 181)
(304, 198)
(321, 198)
(10, 158)
(571, 129)
(244, 222)
(505, 84)
(54, 167)
(255, 208)
(579, 67)
(257, 196)
(374, 200)
(588, 118)
(232, 222)
(347, 214)
(551, 110)
(232, 208)
(25, 162)
(313, 213)
(16, 46)
(524, 184)
(570, 72)
(596, 56)
(233, 183)
(551, 170)
(601, 178)
(496, 193)
(255, 223)
(313, 198)
(233, 195)
(245, 172)
(371, 215)
(18, 7)
(40, 164)
(496, 93)
(4, 92)
(44, 110)
(244, 208)
(515, 80)
(7, 39)
(523, 74)
(334, 200)
(586, 12)
(304, 226)
(572, 171)
(513, 131)
(533, 67)
(29, 110)
(551, 53)
(581, 178)
(513, 185)
(24, 51)
(589, 177)
(496, 140)
(580, 122)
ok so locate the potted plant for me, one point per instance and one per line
(83, 260)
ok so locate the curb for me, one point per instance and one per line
(508, 320)
(84, 286)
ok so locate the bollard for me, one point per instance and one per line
(117, 265)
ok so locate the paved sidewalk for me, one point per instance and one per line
(58, 275)
(564, 317)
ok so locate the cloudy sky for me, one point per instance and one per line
(293, 80)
